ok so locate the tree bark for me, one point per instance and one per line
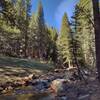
(26, 45)
(96, 14)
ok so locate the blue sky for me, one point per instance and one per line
(54, 10)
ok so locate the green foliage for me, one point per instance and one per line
(51, 47)
(65, 28)
(85, 31)
(41, 34)
(26, 35)
(14, 19)
(63, 42)
(8, 11)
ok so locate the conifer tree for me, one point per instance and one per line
(9, 31)
(41, 33)
(33, 36)
(76, 39)
(52, 48)
(23, 16)
(85, 31)
(63, 42)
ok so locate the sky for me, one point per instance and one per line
(54, 10)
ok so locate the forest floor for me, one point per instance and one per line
(15, 68)
(45, 84)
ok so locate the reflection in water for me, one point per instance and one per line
(42, 96)
(26, 93)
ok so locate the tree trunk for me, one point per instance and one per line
(69, 64)
(96, 14)
(26, 44)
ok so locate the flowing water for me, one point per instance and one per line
(26, 94)
(42, 96)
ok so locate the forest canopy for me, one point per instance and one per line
(26, 35)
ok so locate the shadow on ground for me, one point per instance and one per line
(14, 68)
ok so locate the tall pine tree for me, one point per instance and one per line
(41, 33)
(63, 42)
(85, 31)
(23, 17)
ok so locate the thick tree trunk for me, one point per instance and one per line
(97, 33)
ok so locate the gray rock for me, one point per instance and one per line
(42, 85)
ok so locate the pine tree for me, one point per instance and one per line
(33, 37)
(26, 32)
(8, 11)
(76, 39)
(9, 31)
(63, 42)
(41, 33)
(85, 31)
(51, 47)
(23, 17)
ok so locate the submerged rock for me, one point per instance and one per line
(58, 85)
(62, 98)
(84, 97)
(1, 89)
(41, 85)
